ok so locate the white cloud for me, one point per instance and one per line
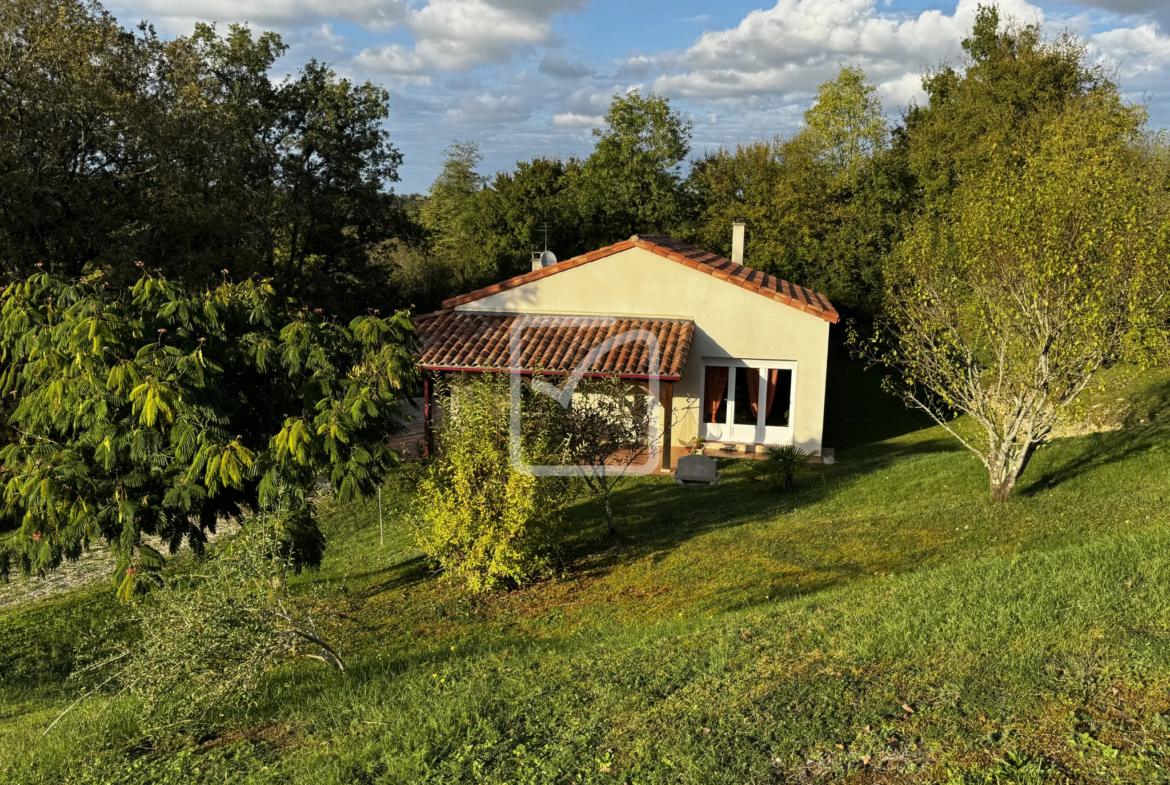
(797, 44)
(1141, 58)
(1137, 51)
(392, 59)
(572, 120)
(448, 35)
(1157, 9)
(454, 35)
(487, 109)
(283, 14)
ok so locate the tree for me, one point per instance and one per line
(1012, 82)
(1003, 309)
(520, 202)
(117, 147)
(608, 432)
(335, 162)
(630, 184)
(160, 411)
(453, 218)
(821, 208)
(846, 126)
(210, 636)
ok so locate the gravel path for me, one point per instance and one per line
(96, 564)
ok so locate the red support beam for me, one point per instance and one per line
(667, 421)
(428, 407)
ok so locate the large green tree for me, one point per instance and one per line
(1012, 79)
(631, 183)
(118, 147)
(144, 418)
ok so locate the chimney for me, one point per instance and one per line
(536, 262)
(737, 242)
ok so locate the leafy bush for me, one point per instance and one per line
(779, 469)
(483, 522)
(160, 411)
(209, 637)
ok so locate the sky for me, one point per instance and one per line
(524, 78)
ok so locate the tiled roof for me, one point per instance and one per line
(464, 341)
(697, 259)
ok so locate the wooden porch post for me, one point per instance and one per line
(667, 422)
(428, 404)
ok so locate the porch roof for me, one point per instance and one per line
(555, 344)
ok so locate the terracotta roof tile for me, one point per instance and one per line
(696, 258)
(455, 340)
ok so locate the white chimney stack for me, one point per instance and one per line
(737, 242)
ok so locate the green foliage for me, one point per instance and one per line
(728, 610)
(453, 218)
(846, 125)
(520, 202)
(779, 469)
(483, 522)
(160, 412)
(119, 147)
(1004, 307)
(210, 636)
(607, 432)
(821, 208)
(1012, 82)
(631, 182)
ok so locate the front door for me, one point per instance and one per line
(748, 402)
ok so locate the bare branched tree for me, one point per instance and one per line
(608, 433)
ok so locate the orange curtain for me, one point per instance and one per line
(773, 380)
(716, 387)
(753, 390)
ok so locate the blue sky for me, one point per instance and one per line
(531, 77)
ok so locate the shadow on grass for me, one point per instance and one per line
(401, 575)
(1095, 451)
(656, 516)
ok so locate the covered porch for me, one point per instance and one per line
(650, 353)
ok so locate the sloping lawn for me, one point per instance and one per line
(885, 623)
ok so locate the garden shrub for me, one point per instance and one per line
(484, 523)
(779, 468)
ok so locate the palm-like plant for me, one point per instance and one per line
(782, 464)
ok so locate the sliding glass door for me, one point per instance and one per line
(748, 402)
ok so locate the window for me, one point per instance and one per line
(748, 401)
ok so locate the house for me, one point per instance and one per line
(737, 356)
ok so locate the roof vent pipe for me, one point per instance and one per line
(737, 242)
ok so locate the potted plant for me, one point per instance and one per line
(697, 446)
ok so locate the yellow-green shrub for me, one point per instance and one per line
(484, 523)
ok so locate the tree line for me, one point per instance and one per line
(189, 158)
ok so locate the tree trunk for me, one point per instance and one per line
(1001, 488)
(609, 516)
(1006, 470)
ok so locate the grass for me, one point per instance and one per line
(885, 622)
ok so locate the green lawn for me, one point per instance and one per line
(885, 623)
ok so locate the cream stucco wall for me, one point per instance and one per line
(730, 322)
